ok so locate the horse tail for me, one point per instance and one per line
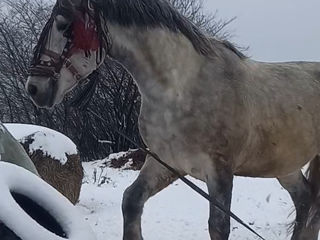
(314, 181)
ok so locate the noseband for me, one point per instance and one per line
(53, 67)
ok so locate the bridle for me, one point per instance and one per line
(52, 67)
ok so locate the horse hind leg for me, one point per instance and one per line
(151, 180)
(314, 180)
(300, 191)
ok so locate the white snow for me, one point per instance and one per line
(179, 213)
(115, 156)
(52, 143)
(19, 180)
(107, 161)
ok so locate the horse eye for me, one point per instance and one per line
(62, 26)
(62, 23)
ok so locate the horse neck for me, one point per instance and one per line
(158, 59)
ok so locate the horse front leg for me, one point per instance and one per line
(151, 180)
(220, 187)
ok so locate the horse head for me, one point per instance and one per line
(71, 46)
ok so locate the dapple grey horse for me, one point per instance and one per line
(207, 110)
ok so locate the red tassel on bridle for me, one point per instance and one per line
(85, 35)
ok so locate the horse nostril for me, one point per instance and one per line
(32, 89)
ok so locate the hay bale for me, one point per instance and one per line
(54, 155)
(66, 178)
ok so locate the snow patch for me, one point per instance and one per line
(52, 143)
(115, 156)
(179, 213)
(106, 162)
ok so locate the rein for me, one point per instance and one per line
(212, 200)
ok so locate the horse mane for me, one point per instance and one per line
(159, 13)
(234, 49)
(142, 13)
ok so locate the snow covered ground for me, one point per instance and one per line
(180, 214)
(177, 212)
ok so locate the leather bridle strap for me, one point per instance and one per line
(72, 69)
(53, 67)
(51, 54)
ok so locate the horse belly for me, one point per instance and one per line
(279, 152)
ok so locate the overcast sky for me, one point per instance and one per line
(275, 30)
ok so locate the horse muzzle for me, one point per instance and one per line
(41, 90)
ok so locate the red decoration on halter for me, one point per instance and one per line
(85, 35)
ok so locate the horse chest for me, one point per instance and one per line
(161, 125)
(178, 137)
